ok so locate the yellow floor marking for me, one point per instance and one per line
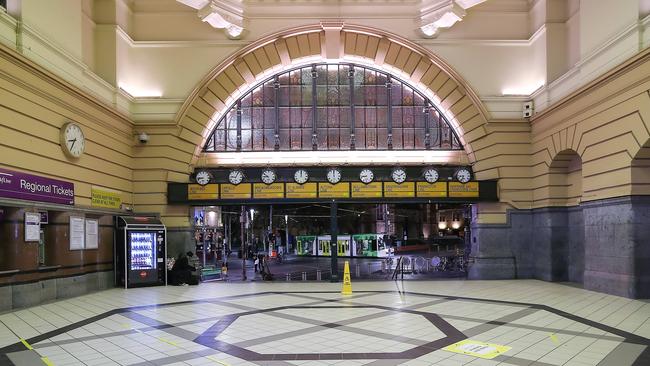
(554, 338)
(29, 347)
(215, 360)
(47, 361)
(167, 341)
(477, 349)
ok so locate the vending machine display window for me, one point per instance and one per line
(143, 250)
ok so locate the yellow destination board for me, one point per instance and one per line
(273, 190)
(426, 189)
(457, 189)
(370, 190)
(199, 192)
(231, 191)
(392, 189)
(339, 190)
(307, 190)
(105, 199)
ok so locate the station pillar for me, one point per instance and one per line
(333, 242)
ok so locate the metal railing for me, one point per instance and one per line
(412, 266)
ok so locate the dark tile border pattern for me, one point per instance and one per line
(453, 335)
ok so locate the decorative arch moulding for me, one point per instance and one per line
(358, 44)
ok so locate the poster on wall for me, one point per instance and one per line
(77, 233)
(32, 226)
(92, 234)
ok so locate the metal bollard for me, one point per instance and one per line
(304, 276)
(318, 275)
(413, 265)
(383, 266)
(370, 268)
(358, 270)
(288, 276)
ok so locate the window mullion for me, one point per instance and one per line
(427, 129)
(389, 84)
(352, 124)
(276, 110)
(314, 137)
(239, 125)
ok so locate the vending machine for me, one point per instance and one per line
(140, 252)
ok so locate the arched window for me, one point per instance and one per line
(332, 107)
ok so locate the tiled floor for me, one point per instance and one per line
(381, 324)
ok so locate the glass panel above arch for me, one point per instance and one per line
(332, 107)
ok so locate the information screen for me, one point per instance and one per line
(143, 250)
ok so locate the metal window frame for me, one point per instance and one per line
(429, 107)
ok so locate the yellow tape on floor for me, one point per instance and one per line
(477, 349)
(29, 347)
(217, 361)
(47, 361)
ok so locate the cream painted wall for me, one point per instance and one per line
(602, 19)
(60, 20)
(147, 68)
(518, 61)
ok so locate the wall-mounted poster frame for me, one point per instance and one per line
(77, 233)
(32, 226)
(92, 234)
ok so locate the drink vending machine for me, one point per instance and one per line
(140, 252)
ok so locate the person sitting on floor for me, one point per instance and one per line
(181, 273)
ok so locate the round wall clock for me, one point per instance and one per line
(268, 176)
(463, 175)
(431, 175)
(398, 175)
(333, 175)
(366, 176)
(301, 176)
(235, 176)
(73, 141)
(203, 177)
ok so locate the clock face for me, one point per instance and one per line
(366, 176)
(268, 176)
(301, 176)
(463, 175)
(236, 176)
(73, 141)
(398, 175)
(431, 175)
(203, 177)
(333, 175)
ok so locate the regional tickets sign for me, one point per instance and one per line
(307, 190)
(30, 187)
(199, 192)
(370, 190)
(240, 191)
(457, 189)
(405, 189)
(274, 190)
(425, 189)
(339, 190)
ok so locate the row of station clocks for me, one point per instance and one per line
(301, 176)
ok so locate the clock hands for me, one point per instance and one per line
(73, 142)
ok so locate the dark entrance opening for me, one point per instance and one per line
(302, 242)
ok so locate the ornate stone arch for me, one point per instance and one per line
(332, 41)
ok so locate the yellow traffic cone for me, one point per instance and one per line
(347, 284)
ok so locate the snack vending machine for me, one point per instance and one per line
(140, 252)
